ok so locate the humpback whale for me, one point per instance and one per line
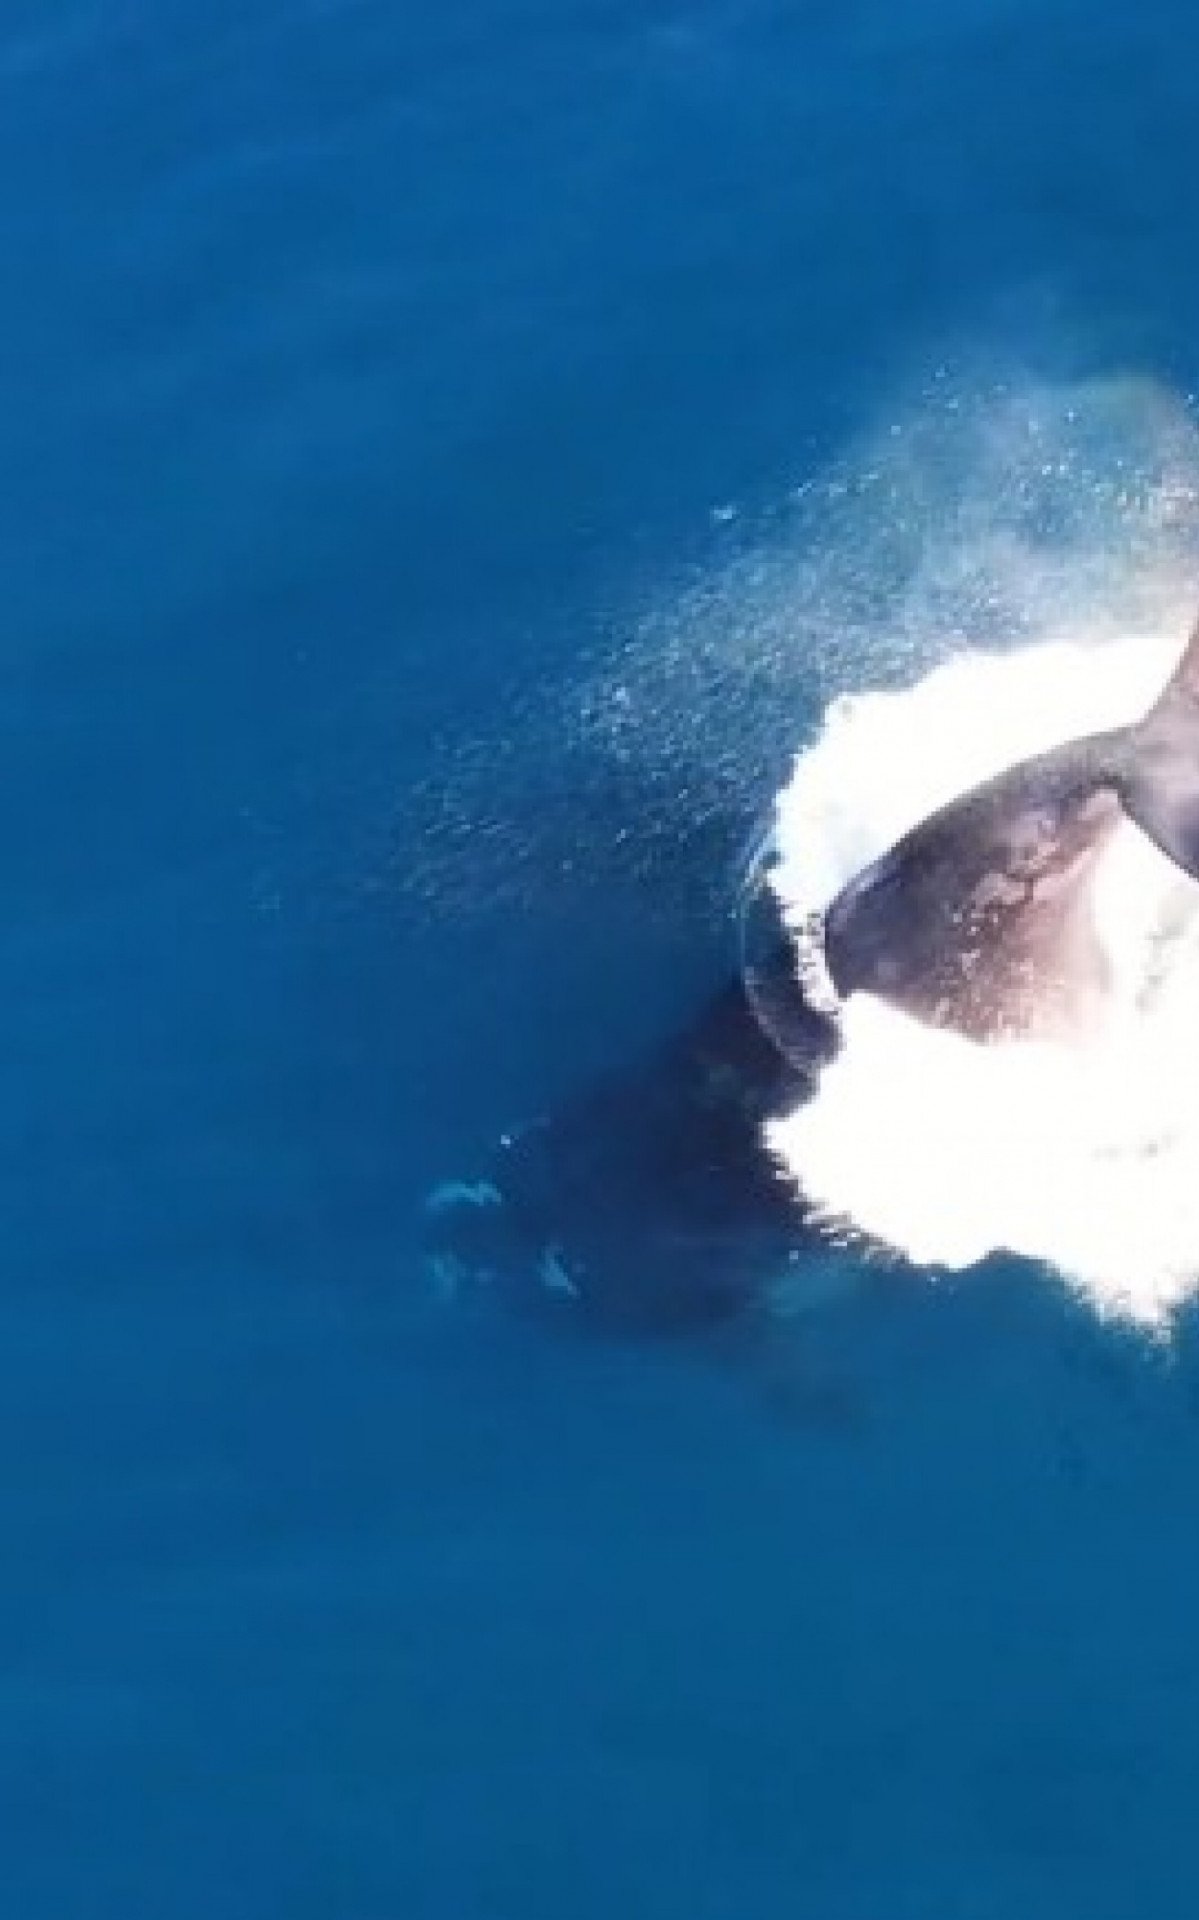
(650, 1201)
(647, 1203)
(979, 918)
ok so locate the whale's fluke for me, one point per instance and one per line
(979, 918)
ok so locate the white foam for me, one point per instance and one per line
(1084, 1156)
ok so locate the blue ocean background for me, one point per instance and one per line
(367, 372)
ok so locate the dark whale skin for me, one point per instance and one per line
(646, 1203)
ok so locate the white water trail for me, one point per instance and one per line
(1084, 1156)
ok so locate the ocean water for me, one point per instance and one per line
(450, 457)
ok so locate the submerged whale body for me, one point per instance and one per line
(647, 1202)
(650, 1199)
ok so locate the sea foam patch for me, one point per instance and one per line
(1084, 1155)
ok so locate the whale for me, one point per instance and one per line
(645, 1203)
(648, 1201)
(979, 918)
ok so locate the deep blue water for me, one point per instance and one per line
(365, 371)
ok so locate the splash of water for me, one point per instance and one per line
(1083, 1156)
(986, 507)
(984, 504)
